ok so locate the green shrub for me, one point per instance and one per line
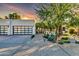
(51, 37)
(65, 38)
(77, 42)
(63, 41)
(65, 34)
(32, 36)
(46, 35)
(72, 31)
(66, 41)
(60, 42)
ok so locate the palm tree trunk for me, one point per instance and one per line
(78, 31)
(60, 31)
(56, 35)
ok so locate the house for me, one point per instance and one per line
(13, 26)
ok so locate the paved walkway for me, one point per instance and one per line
(22, 45)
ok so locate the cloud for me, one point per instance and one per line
(24, 12)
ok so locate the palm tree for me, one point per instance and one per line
(55, 13)
(14, 16)
(11, 16)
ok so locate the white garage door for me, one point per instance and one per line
(22, 29)
(3, 30)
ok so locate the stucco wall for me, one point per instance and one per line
(3, 22)
(17, 22)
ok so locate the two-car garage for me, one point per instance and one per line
(15, 27)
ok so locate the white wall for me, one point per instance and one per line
(3, 22)
(23, 22)
(17, 22)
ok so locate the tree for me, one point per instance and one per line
(14, 16)
(74, 21)
(11, 16)
(6, 17)
(56, 13)
(40, 25)
(0, 18)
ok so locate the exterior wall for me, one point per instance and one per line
(15, 22)
(4, 22)
(23, 22)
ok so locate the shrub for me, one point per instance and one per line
(77, 42)
(72, 31)
(65, 34)
(65, 38)
(60, 42)
(32, 36)
(46, 35)
(51, 37)
(66, 41)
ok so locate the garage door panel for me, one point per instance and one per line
(22, 29)
(3, 30)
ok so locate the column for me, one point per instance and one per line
(34, 30)
(10, 28)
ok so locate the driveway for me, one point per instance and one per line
(23, 45)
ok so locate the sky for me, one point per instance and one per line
(26, 10)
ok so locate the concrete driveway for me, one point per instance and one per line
(22, 45)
